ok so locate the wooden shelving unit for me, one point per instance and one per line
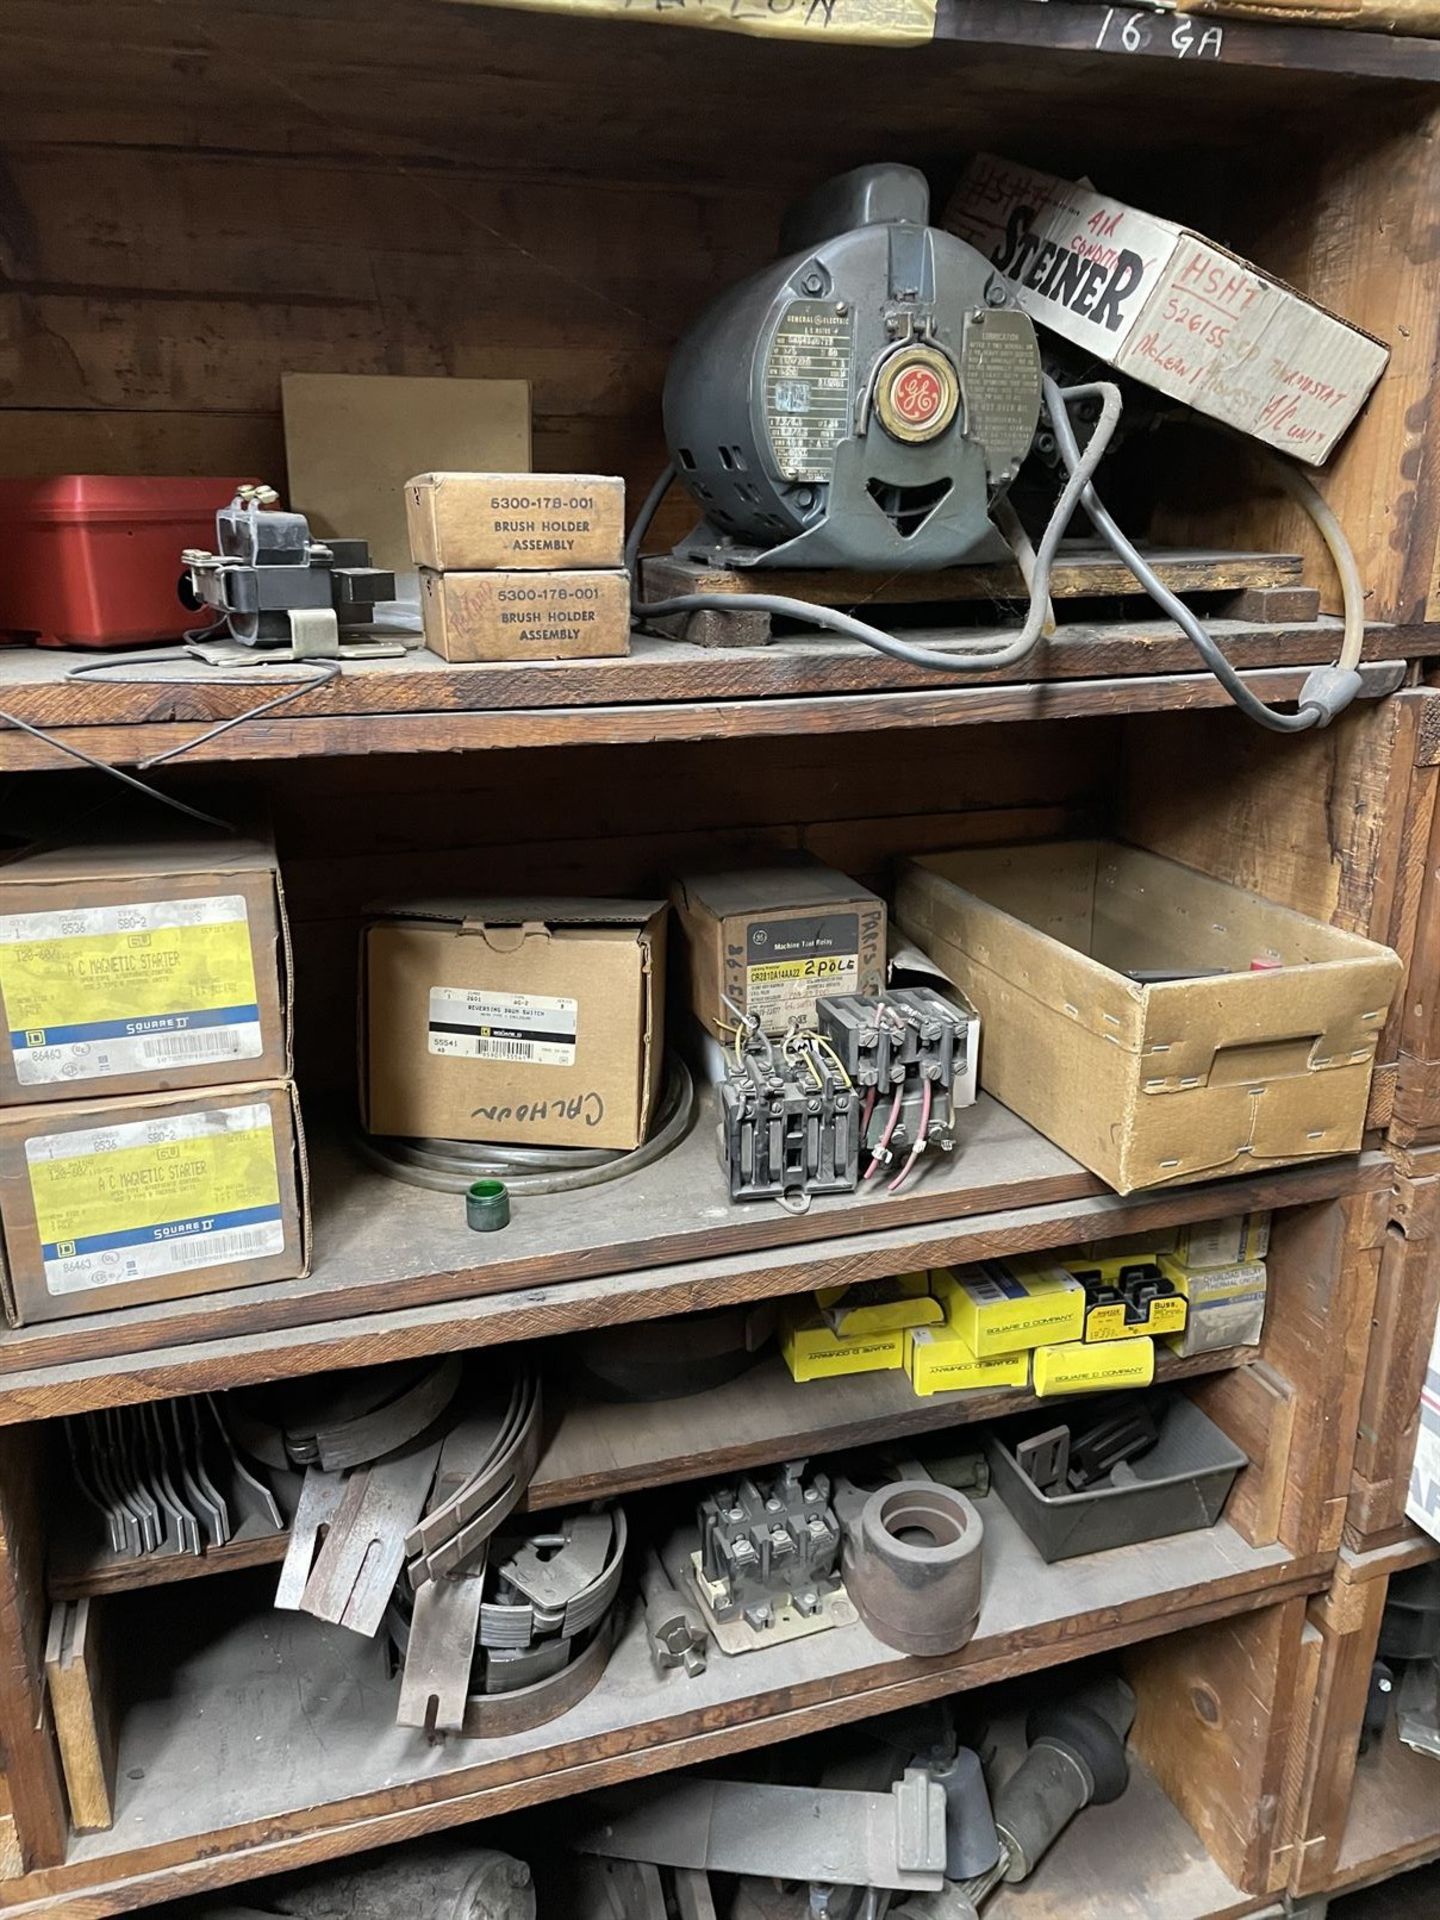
(271, 1741)
(435, 188)
(397, 1263)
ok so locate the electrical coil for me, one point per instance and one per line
(453, 1166)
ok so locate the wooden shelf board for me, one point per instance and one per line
(1064, 26)
(270, 1741)
(397, 1273)
(599, 1450)
(1379, 1563)
(1394, 1814)
(663, 690)
(1137, 1859)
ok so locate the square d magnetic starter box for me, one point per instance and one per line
(148, 959)
(776, 939)
(120, 1202)
(531, 1022)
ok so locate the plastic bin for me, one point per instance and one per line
(1179, 1486)
(93, 560)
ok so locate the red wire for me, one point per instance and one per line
(891, 1122)
(921, 1133)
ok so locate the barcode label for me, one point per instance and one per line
(219, 1043)
(525, 1029)
(245, 1244)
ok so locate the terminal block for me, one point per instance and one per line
(765, 1546)
(782, 1135)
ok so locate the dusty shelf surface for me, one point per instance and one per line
(664, 689)
(265, 1740)
(601, 1449)
(397, 1273)
(1394, 1813)
(1137, 1859)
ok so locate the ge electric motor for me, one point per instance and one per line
(861, 403)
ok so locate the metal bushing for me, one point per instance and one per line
(487, 1206)
(912, 1566)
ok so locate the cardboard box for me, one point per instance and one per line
(1169, 307)
(525, 616)
(938, 1361)
(467, 522)
(352, 440)
(121, 1202)
(776, 939)
(1238, 1238)
(152, 958)
(880, 1306)
(1094, 1367)
(1420, 17)
(1154, 1085)
(1226, 1305)
(534, 1022)
(813, 1352)
(1011, 1306)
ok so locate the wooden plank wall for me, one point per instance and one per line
(626, 820)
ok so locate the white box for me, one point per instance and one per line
(1170, 307)
(1423, 1506)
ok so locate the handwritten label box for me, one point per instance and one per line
(1175, 310)
(533, 1022)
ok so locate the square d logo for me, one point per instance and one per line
(35, 1037)
(65, 1249)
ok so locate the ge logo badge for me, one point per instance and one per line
(759, 936)
(917, 394)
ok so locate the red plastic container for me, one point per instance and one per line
(93, 560)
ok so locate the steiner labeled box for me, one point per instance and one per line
(1226, 1070)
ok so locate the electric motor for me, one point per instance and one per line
(863, 401)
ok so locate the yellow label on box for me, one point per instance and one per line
(1004, 1306)
(1109, 1323)
(155, 1197)
(128, 989)
(1094, 1366)
(939, 1361)
(880, 1306)
(813, 1352)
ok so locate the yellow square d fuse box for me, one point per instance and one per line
(880, 1306)
(1010, 1306)
(1094, 1366)
(938, 1361)
(813, 1352)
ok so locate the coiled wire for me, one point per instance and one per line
(450, 1166)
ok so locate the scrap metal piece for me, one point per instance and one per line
(364, 1551)
(1045, 1459)
(485, 1466)
(693, 1897)
(344, 1421)
(320, 1497)
(552, 1569)
(913, 1566)
(675, 1630)
(894, 1840)
(435, 1689)
(249, 1490)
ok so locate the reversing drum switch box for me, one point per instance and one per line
(529, 1022)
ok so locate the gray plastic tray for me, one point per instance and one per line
(1179, 1486)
